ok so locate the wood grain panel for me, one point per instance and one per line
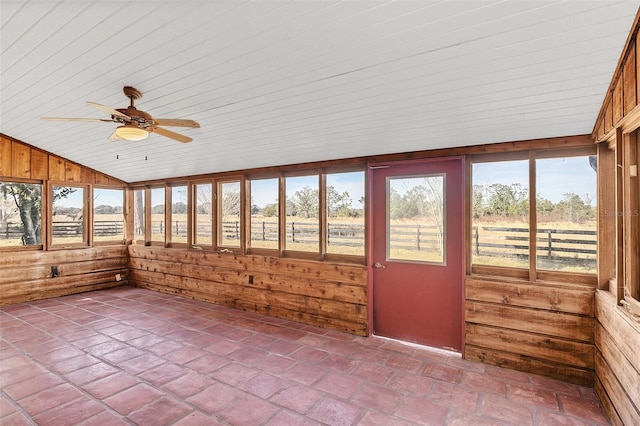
(625, 331)
(328, 295)
(72, 172)
(39, 165)
(536, 346)
(5, 156)
(56, 168)
(557, 324)
(618, 112)
(629, 81)
(529, 365)
(553, 297)
(21, 160)
(624, 408)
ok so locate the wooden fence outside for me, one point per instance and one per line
(485, 240)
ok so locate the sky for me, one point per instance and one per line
(555, 176)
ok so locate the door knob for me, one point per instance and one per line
(378, 265)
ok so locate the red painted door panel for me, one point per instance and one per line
(417, 251)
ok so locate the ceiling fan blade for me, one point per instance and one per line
(114, 137)
(75, 119)
(172, 135)
(108, 109)
(176, 122)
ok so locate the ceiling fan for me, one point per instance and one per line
(136, 124)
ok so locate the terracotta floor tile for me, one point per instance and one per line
(131, 356)
(583, 408)
(335, 412)
(70, 414)
(443, 372)
(249, 411)
(111, 385)
(339, 384)
(32, 385)
(421, 411)
(377, 398)
(499, 408)
(263, 385)
(52, 397)
(216, 398)
(162, 411)
(133, 398)
(297, 398)
(454, 397)
(188, 384)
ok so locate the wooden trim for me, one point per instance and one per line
(606, 233)
(533, 218)
(468, 214)
(147, 216)
(620, 263)
(168, 194)
(246, 214)
(322, 214)
(282, 215)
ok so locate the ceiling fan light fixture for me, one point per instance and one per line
(131, 133)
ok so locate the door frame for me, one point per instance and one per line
(369, 236)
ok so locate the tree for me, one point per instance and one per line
(270, 210)
(338, 205)
(304, 203)
(574, 209)
(507, 200)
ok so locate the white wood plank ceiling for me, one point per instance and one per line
(284, 82)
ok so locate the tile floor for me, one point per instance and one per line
(130, 356)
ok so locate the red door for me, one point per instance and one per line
(417, 251)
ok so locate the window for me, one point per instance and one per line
(157, 215)
(415, 218)
(20, 214)
(566, 214)
(68, 216)
(302, 213)
(108, 215)
(203, 215)
(229, 222)
(139, 216)
(560, 234)
(345, 213)
(178, 222)
(500, 213)
(264, 214)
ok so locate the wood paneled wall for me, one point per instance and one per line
(25, 274)
(21, 161)
(325, 294)
(623, 95)
(617, 331)
(540, 328)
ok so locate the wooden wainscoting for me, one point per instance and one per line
(26, 275)
(324, 294)
(617, 360)
(541, 328)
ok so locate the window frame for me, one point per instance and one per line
(217, 214)
(121, 241)
(87, 207)
(247, 212)
(531, 273)
(44, 220)
(192, 221)
(168, 196)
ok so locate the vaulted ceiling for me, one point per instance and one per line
(284, 82)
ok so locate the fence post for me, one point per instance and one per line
(7, 232)
(177, 228)
(237, 231)
(328, 234)
(549, 244)
(418, 237)
(476, 237)
(161, 226)
(264, 231)
(293, 232)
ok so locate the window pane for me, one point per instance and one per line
(203, 233)
(157, 214)
(20, 214)
(229, 234)
(302, 224)
(108, 214)
(264, 213)
(345, 213)
(415, 218)
(68, 215)
(500, 214)
(179, 214)
(566, 212)
(138, 215)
